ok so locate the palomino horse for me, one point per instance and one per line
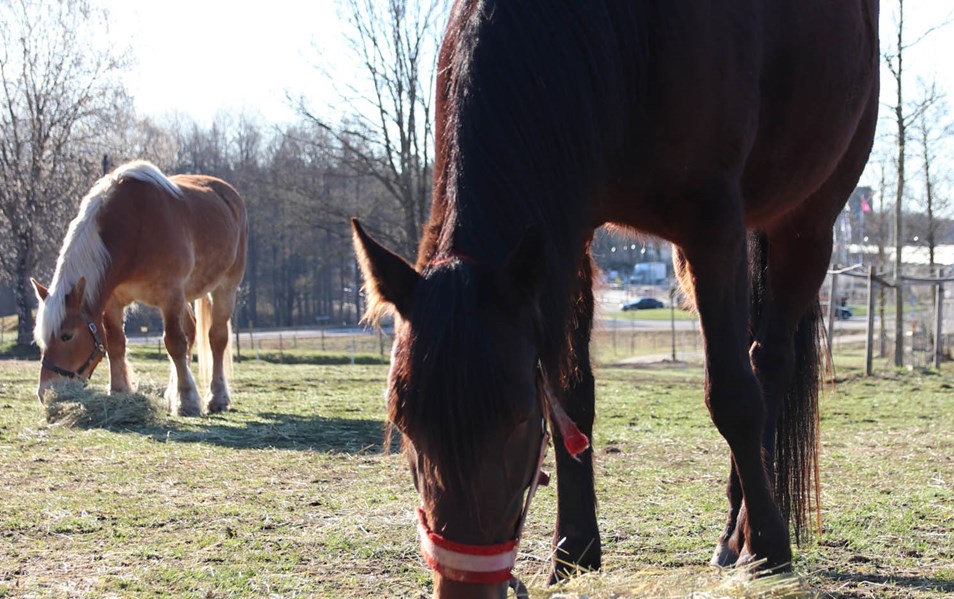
(712, 125)
(142, 237)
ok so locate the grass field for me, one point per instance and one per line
(291, 495)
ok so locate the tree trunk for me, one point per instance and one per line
(899, 198)
(929, 195)
(24, 291)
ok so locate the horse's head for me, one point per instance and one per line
(70, 338)
(465, 390)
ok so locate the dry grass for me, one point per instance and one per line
(292, 495)
(74, 405)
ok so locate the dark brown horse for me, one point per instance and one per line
(142, 237)
(718, 126)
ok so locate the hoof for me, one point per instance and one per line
(189, 410)
(218, 399)
(767, 563)
(745, 558)
(184, 402)
(724, 556)
(218, 404)
(588, 559)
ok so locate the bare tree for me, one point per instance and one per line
(389, 134)
(882, 238)
(57, 88)
(904, 114)
(932, 129)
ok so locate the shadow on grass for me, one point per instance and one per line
(144, 413)
(887, 581)
(15, 351)
(276, 431)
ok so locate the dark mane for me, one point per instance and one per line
(450, 373)
(503, 166)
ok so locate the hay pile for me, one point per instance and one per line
(711, 583)
(74, 406)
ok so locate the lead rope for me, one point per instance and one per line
(539, 478)
(575, 443)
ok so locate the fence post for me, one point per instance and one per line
(938, 325)
(832, 290)
(672, 320)
(869, 327)
(238, 342)
(251, 339)
(899, 321)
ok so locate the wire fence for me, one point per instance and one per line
(861, 320)
(927, 327)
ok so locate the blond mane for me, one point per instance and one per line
(83, 253)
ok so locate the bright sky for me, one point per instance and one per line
(202, 56)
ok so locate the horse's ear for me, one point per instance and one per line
(522, 274)
(74, 299)
(389, 279)
(40, 291)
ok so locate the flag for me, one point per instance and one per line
(865, 204)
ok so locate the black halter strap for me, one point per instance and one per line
(99, 350)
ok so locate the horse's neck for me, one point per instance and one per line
(475, 238)
(107, 285)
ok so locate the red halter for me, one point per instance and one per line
(491, 564)
(479, 564)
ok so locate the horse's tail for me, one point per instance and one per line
(203, 322)
(797, 486)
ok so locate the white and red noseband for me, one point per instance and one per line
(493, 564)
(476, 564)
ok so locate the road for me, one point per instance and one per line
(607, 301)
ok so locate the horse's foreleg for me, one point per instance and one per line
(223, 302)
(116, 347)
(179, 333)
(577, 539)
(717, 260)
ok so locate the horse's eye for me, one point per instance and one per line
(64, 337)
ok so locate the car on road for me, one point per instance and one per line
(641, 303)
(843, 313)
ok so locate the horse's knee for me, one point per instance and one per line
(218, 338)
(176, 343)
(772, 361)
(736, 406)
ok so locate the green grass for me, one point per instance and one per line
(290, 494)
(653, 314)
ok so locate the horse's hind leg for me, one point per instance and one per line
(716, 258)
(178, 335)
(780, 295)
(577, 539)
(223, 303)
(116, 347)
(795, 254)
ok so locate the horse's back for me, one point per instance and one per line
(205, 188)
(194, 240)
